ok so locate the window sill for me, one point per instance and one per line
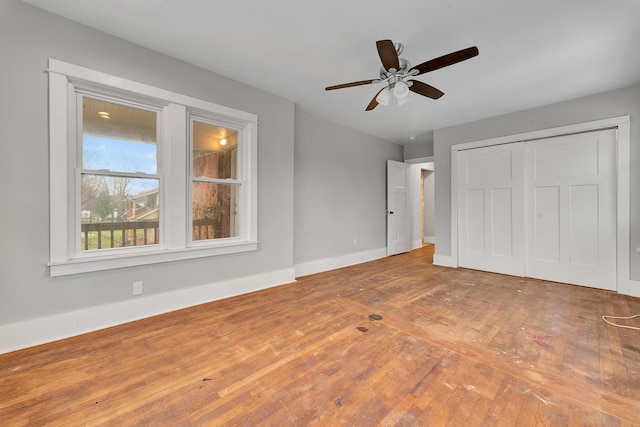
(87, 265)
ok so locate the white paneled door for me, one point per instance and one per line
(490, 209)
(398, 232)
(543, 209)
(571, 201)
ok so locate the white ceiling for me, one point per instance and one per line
(531, 52)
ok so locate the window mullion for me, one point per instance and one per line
(175, 172)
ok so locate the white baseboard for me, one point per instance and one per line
(634, 288)
(444, 261)
(415, 244)
(332, 263)
(52, 328)
(429, 239)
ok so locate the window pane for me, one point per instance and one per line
(118, 138)
(118, 211)
(214, 211)
(214, 151)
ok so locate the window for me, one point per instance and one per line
(141, 175)
(119, 175)
(215, 188)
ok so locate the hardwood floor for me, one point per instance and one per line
(454, 347)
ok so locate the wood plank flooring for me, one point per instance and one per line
(454, 347)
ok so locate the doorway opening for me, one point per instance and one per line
(422, 203)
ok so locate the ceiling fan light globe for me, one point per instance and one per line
(401, 90)
(383, 97)
(402, 101)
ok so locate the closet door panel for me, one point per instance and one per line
(571, 206)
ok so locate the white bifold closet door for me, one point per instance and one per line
(543, 209)
(490, 209)
(571, 206)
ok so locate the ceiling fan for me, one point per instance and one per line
(396, 73)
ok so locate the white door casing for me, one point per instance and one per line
(398, 232)
(490, 209)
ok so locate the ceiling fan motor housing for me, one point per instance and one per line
(405, 66)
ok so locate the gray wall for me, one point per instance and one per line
(605, 105)
(340, 186)
(28, 36)
(418, 150)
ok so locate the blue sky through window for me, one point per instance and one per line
(116, 155)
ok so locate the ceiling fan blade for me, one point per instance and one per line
(374, 102)
(425, 89)
(446, 60)
(344, 85)
(388, 54)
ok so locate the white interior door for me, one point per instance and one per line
(398, 232)
(490, 209)
(571, 201)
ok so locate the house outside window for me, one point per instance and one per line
(141, 175)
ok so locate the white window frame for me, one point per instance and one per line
(240, 168)
(75, 150)
(65, 80)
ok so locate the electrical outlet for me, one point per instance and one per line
(137, 288)
(355, 241)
